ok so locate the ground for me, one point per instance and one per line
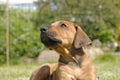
(108, 68)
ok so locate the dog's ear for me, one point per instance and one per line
(81, 39)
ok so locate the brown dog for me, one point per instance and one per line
(68, 39)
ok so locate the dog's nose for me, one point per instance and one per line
(44, 29)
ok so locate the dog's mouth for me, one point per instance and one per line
(49, 41)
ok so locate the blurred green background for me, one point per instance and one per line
(100, 19)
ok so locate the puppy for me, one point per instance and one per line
(69, 40)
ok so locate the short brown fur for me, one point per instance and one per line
(74, 63)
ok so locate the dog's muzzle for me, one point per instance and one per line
(48, 38)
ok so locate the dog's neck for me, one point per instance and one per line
(71, 54)
(79, 54)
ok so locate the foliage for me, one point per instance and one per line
(100, 20)
(97, 18)
(117, 36)
(24, 38)
(2, 33)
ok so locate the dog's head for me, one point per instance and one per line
(64, 33)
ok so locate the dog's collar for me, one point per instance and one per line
(62, 60)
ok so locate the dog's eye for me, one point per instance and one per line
(63, 25)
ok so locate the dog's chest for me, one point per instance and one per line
(77, 70)
(69, 72)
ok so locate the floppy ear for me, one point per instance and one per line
(81, 39)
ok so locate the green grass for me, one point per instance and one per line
(17, 72)
(108, 68)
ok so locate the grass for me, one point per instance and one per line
(17, 72)
(108, 68)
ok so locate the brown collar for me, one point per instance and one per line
(78, 57)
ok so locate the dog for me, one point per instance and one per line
(69, 40)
